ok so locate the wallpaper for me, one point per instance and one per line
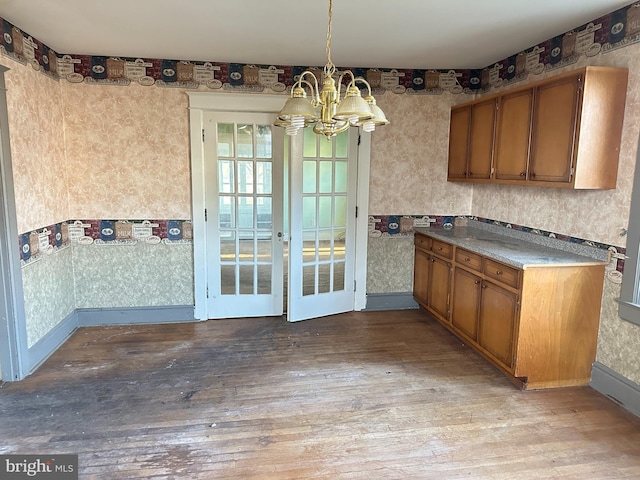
(127, 152)
(37, 146)
(49, 294)
(409, 159)
(137, 275)
(103, 143)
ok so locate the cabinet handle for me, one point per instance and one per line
(523, 174)
(467, 259)
(433, 259)
(532, 175)
(439, 249)
(498, 272)
(477, 282)
(484, 285)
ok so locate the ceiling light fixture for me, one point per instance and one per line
(336, 114)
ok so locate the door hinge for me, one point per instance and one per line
(205, 214)
(354, 285)
(356, 212)
(207, 291)
(359, 138)
(203, 134)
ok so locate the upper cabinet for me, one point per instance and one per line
(561, 132)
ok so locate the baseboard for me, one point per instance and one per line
(48, 344)
(620, 389)
(390, 301)
(94, 317)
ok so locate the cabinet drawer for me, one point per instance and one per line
(441, 248)
(468, 259)
(422, 242)
(502, 273)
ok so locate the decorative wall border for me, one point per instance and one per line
(37, 243)
(609, 32)
(402, 226)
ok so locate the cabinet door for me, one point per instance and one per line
(498, 310)
(465, 303)
(483, 117)
(512, 136)
(459, 142)
(554, 130)
(421, 276)
(439, 287)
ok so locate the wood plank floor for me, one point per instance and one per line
(384, 395)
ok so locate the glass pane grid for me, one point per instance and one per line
(246, 211)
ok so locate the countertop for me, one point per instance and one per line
(519, 249)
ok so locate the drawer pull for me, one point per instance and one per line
(467, 259)
(439, 249)
(498, 272)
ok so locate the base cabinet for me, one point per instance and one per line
(432, 277)
(466, 303)
(497, 322)
(538, 325)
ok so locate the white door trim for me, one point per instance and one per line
(199, 102)
(14, 351)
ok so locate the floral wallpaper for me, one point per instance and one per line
(49, 294)
(127, 152)
(107, 138)
(36, 127)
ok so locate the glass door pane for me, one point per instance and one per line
(246, 274)
(322, 197)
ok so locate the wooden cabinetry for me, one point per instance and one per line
(432, 276)
(471, 140)
(483, 116)
(466, 303)
(538, 325)
(459, 142)
(560, 132)
(497, 322)
(512, 135)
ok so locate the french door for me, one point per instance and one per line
(252, 189)
(323, 224)
(244, 208)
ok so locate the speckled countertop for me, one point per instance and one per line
(516, 248)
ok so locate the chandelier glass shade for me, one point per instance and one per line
(328, 109)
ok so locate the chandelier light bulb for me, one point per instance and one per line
(369, 126)
(297, 121)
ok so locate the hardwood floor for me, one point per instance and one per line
(379, 395)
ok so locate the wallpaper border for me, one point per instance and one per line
(402, 225)
(35, 244)
(610, 32)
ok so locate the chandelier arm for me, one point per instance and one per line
(315, 92)
(361, 79)
(342, 75)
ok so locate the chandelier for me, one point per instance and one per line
(337, 112)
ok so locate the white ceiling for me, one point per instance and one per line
(439, 34)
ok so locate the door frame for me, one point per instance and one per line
(14, 351)
(199, 102)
